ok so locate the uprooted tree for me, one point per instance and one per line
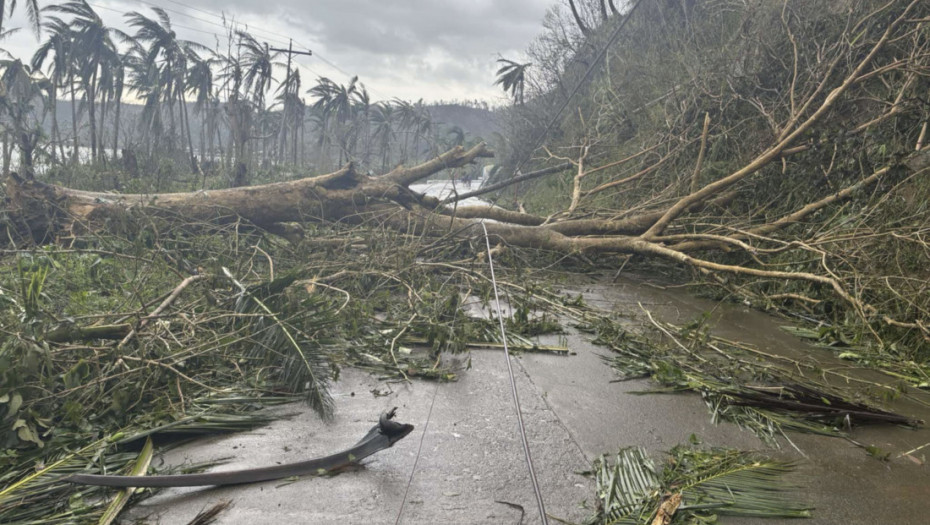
(820, 109)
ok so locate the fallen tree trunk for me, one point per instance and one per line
(47, 211)
(43, 209)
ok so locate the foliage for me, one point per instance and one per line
(709, 482)
(213, 111)
(764, 393)
(169, 330)
(694, 92)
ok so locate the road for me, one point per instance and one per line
(469, 462)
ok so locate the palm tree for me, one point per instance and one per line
(146, 81)
(407, 117)
(512, 77)
(292, 110)
(382, 118)
(300, 117)
(423, 126)
(361, 108)
(259, 63)
(457, 136)
(200, 84)
(238, 113)
(32, 10)
(94, 54)
(173, 54)
(118, 85)
(335, 104)
(57, 50)
(23, 90)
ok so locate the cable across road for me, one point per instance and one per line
(513, 384)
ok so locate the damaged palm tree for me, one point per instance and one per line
(882, 46)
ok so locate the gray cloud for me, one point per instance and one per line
(435, 49)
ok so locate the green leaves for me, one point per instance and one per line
(710, 482)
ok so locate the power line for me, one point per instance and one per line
(257, 30)
(251, 27)
(120, 11)
(234, 24)
(513, 386)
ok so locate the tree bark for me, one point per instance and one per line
(45, 211)
(341, 195)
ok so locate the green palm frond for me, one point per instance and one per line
(710, 482)
(753, 394)
(628, 488)
(31, 496)
(291, 343)
(734, 483)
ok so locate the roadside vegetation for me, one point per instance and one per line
(771, 153)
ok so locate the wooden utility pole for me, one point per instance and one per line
(287, 89)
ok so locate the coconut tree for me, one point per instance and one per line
(145, 79)
(94, 53)
(361, 109)
(512, 77)
(109, 87)
(407, 117)
(25, 102)
(382, 119)
(118, 86)
(57, 51)
(239, 111)
(259, 63)
(32, 11)
(172, 54)
(292, 109)
(200, 85)
(336, 103)
(300, 117)
(423, 126)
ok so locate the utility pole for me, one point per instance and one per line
(287, 88)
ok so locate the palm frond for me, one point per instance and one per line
(287, 342)
(630, 491)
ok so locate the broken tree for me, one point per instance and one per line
(687, 219)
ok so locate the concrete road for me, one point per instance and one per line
(471, 467)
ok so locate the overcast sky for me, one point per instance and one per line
(434, 49)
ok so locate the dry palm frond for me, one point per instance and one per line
(208, 516)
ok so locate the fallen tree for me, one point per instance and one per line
(890, 49)
(47, 211)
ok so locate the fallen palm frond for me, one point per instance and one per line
(292, 342)
(737, 385)
(693, 486)
(140, 467)
(40, 496)
(101, 347)
(208, 516)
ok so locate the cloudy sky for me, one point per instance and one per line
(434, 49)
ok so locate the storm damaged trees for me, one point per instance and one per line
(691, 205)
